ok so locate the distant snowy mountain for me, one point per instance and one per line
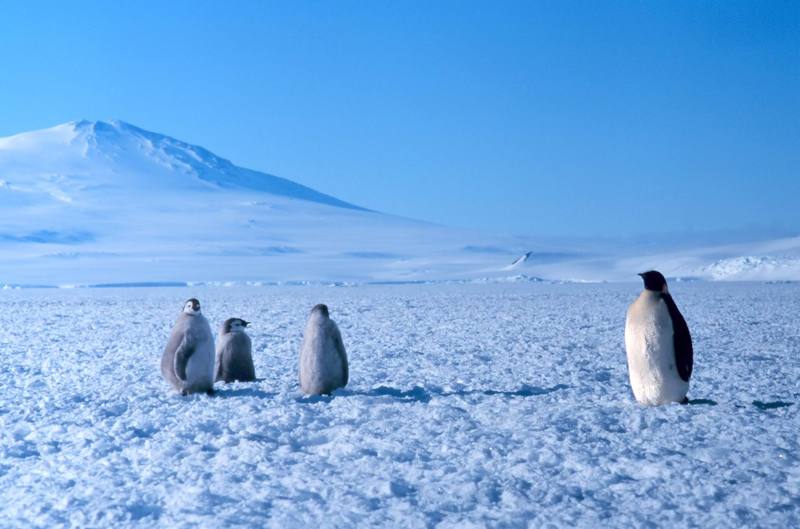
(72, 160)
(87, 203)
(107, 202)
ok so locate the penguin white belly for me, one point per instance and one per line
(650, 348)
(200, 368)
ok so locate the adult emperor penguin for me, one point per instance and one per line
(234, 352)
(323, 360)
(188, 359)
(658, 345)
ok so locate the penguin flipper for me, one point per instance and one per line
(182, 354)
(682, 340)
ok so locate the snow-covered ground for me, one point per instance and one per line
(497, 405)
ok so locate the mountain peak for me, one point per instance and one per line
(114, 133)
(112, 126)
(117, 153)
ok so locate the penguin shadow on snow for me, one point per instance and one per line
(425, 395)
(774, 405)
(760, 405)
(226, 391)
(701, 402)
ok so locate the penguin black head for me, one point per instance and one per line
(234, 325)
(322, 309)
(192, 306)
(654, 281)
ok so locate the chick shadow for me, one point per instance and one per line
(232, 393)
(701, 402)
(774, 405)
(759, 405)
(425, 395)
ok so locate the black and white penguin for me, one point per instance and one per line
(658, 345)
(323, 359)
(188, 359)
(234, 352)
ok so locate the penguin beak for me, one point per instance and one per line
(640, 274)
(245, 323)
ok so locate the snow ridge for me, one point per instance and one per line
(751, 267)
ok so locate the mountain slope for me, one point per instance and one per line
(60, 160)
(96, 202)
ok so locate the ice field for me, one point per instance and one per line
(468, 406)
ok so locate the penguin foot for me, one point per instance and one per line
(685, 400)
(211, 392)
(184, 393)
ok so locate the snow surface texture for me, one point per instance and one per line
(500, 405)
(93, 202)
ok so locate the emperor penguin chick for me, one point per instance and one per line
(323, 360)
(234, 352)
(188, 359)
(658, 345)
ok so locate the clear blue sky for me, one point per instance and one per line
(562, 118)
